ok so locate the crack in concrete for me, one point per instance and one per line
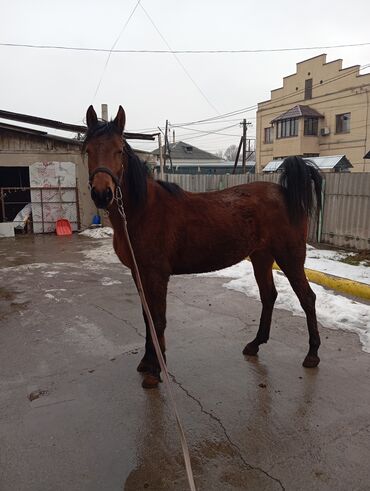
(120, 319)
(227, 436)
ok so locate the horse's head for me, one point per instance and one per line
(104, 146)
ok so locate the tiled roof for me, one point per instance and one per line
(299, 111)
(185, 151)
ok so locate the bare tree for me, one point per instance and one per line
(230, 152)
(220, 154)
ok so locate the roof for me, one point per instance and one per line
(40, 134)
(58, 125)
(323, 163)
(186, 151)
(299, 111)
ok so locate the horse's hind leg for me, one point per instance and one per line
(262, 264)
(294, 271)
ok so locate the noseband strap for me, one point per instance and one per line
(116, 180)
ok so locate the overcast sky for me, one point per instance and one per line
(151, 87)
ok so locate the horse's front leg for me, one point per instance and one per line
(155, 289)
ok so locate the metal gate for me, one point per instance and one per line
(36, 209)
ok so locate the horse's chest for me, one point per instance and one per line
(122, 251)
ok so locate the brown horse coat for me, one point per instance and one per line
(177, 232)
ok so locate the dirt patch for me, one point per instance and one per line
(6, 294)
(362, 257)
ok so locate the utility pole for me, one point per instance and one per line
(165, 142)
(161, 174)
(244, 143)
(237, 154)
(104, 112)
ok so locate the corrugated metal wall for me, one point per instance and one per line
(346, 214)
(346, 220)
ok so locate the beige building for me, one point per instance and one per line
(321, 110)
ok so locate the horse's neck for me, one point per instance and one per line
(133, 215)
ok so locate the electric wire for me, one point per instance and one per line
(180, 51)
(180, 62)
(113, 46)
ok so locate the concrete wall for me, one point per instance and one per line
(335, 91)
(24, 150)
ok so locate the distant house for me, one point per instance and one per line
(184, 158)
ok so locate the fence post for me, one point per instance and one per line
(2, 204)
(321, 213)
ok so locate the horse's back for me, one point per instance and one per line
(217, 229)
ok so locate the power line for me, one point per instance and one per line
(181, 51)
(210, 131)
(179, 62)
(113, 46)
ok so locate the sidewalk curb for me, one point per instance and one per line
(343, 285)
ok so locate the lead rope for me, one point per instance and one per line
(162, 364)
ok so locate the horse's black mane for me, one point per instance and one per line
(99, 129)
(170, 187)
(137, 170)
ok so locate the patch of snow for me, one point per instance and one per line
(98, 233)
(329, 262)
(108, 281)
(333, 311)
(50, 274)
(102, 254)
(51, 297)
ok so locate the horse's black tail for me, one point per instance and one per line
(296, 179)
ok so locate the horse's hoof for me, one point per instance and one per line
(150, 381)
(251, 349)
(144, 366)
(311, 361)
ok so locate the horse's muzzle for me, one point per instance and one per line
(102, 199)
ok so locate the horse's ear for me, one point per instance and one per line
(91, 117)
(120, 119)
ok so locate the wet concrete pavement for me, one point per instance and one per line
(71, 336)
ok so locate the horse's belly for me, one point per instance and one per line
(194, 263)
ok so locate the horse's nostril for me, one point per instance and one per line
(102, 198)
(109, 194)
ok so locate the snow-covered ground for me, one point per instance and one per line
(98, 232)
(329, 262)
(333, 310)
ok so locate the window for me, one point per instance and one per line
(268, 135)
(310, 126)
(308, 88)
(343, 123)
(287, 127)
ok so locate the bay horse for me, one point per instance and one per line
(177, 232)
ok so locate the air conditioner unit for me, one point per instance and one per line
(325, 131)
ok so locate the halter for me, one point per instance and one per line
(117, 180)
